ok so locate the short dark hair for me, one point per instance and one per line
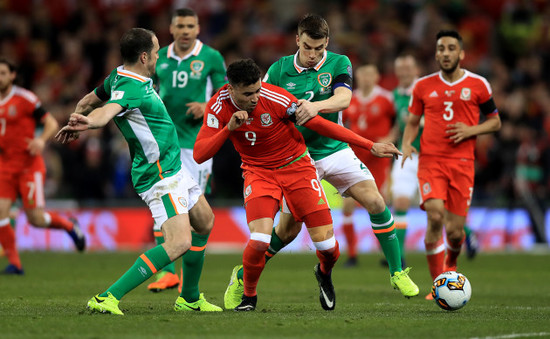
(10, 64)
(450, 33)
(183, 12)
(315, 26)
(134, 42)
(243, 72)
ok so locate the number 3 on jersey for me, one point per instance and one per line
(448, 116)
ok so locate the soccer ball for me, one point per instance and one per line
(451, 290)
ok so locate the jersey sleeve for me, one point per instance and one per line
(273, 74)
(126, 95)
(416, 106)
(343, 73)
(219, 77)
(103, 91)
(212, 134)
(487, 105)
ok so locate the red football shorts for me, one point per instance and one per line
(297, 182)
(451, 180)
(28, 183)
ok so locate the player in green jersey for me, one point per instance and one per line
(188, 72)
(321, 80)
(174, 198)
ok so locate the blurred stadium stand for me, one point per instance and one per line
(65, 48)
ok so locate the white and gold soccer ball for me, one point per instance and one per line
(451, 290)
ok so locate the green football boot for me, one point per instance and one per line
(200, 305)
(108, 304)
(235, 290)
(402, 282)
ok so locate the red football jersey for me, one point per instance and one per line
(444, 103)
(371, 116)
(268, 138)
(20, 112)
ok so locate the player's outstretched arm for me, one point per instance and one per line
(88, 103)
(36, 145)
(78, 122)
(335, 131)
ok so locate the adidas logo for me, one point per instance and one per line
(433, 94)
(321, 202)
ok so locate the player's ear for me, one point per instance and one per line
(462, 55)
(297, 40)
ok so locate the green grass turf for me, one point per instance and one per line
(511, 295)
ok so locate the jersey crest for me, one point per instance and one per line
(465, 94)
(266, 119)
(196, 68)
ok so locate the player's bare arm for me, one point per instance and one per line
(98, 118)
(36, 146)
(196, 109)
(308, 109)
(460, 131)
(88, 103)
(410, 133)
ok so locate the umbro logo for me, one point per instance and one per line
(433, 95)
(290, 85)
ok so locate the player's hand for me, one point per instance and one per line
(385, 150)
(196, 109)
(237, 120)
(35, 146)
(306, 110)
(408, 150)
(66, 136)
(458, 132)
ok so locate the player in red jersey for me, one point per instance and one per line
(451, 101)
(22, 168)
(370, 114)
(259, 120)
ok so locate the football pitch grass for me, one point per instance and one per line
(510, 299)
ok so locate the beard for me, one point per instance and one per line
(451, 68)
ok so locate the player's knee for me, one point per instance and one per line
(435, 218)
(180, 245)
(36, 219)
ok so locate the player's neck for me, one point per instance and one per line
(181, 53)
(6, 92)
(454, 75)
(366, 91)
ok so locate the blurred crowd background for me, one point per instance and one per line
(65, 48)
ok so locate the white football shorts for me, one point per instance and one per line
(171, 196)
(404, 181)
(199, 172)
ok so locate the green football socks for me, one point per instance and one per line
(383, 227)
(192, 263)
(145, 266)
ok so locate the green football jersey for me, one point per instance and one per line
(192, 78)
(401, 98)
(146, 126)
(313, 84)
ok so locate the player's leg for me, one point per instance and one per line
(460, 191)
(7, 238)
(455, 235)
(259, 213)
(167, 277)
(401, 206)
(167, 200)
(348, 205)
(32, 196)
(202, 222)
(433, 241)
(472, 244)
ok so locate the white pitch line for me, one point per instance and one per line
(515, 335)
